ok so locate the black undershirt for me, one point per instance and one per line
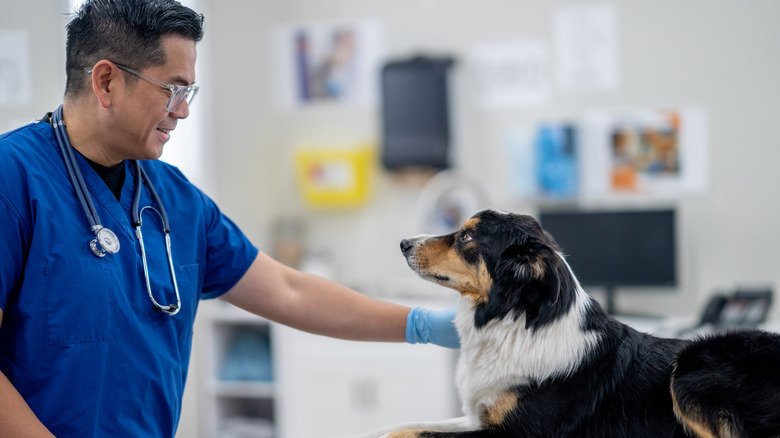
(113, 176)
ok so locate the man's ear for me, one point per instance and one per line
(106, 79)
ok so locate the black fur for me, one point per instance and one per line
(505, 244)
(622, 387)
(733, 378)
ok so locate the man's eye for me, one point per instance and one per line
(465, 237)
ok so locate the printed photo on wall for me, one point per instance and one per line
(326, 64)
(645, 151)
(650, 152)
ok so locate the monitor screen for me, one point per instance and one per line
(616, 248)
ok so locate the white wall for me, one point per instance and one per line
(44, 23)
(717, 54)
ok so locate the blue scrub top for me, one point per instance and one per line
(79, 339)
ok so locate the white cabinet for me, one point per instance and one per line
(321, 387)
(331, 388)
(238, 382)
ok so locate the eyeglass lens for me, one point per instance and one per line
(180, 95)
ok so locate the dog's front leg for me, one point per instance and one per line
(411, 430)
(437, 431)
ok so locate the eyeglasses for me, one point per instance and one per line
(179, 93)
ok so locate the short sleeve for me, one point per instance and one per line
(229, 253)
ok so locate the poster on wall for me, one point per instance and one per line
(658, 152)
(543, 160)
(15, 87)
(557, 161)
(586, 48)
(510, 75)
(320, 64)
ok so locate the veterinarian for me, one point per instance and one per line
(103, 258)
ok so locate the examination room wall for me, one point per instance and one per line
(717, 55)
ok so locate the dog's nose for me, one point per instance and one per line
(406, 245)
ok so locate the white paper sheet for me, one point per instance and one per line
(511, 75)
(15, 84)
(586, 44)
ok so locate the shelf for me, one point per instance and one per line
(221, 388)
(238, 346)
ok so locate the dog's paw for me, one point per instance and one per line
(408, 433)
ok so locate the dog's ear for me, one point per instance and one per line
(531, 277)
(521, 261)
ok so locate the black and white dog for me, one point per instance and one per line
(540, 358)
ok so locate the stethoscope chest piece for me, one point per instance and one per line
(105, 241)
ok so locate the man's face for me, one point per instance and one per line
(143, 124)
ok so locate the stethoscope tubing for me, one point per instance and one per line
(85, 199)
(74, 172)
(141, 175)
(170, 309)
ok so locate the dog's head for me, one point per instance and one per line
(504, 263)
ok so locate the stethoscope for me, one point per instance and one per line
(105, 241)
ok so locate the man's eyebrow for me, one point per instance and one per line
(180, 81)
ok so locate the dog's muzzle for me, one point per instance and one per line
(409, 245)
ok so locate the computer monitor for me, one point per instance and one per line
(616, 249)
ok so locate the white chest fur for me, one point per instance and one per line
(503, 353)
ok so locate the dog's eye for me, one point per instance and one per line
(465, 237)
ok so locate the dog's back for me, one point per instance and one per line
(621, 389)
(728, 385)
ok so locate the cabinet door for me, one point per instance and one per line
(331, 388)
(236, 379)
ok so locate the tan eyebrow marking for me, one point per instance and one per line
(470, 223)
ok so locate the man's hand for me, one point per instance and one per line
(432, 327)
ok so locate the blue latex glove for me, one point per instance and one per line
(432, 327)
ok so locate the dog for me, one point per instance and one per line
(540, 358)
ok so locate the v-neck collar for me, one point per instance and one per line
(112, 176)
(118, 210)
